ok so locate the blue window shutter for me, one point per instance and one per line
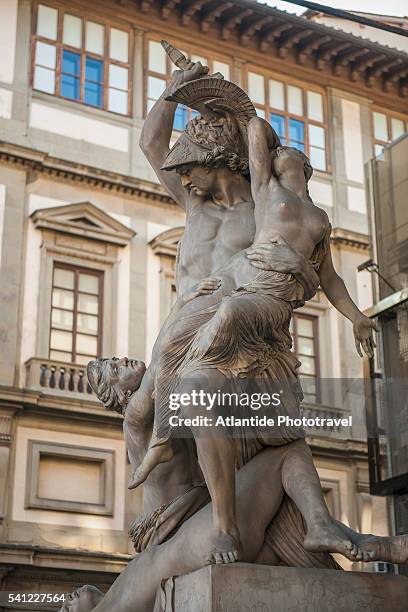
(70, 75)
(93, 82)
(297, 134)
(278, 124)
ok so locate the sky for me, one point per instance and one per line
(391, 7)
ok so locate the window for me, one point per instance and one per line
(303, 329)
(296, 114)
(82, 60)
(159, 70)
(386, 129)
(75, 334)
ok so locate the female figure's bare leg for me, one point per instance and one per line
(301, 482)
(259, 495)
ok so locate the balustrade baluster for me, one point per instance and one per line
(61, 382)
(52, 380)
(43, 374)
(75, 379)
(71, 382)
(81, 381)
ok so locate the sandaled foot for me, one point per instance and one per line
(84, 599)
(392, 549)
(154, 456)
(330, 538)
(226, 548)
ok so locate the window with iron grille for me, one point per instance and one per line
(76, 314)
(296, 113)
(159, 71)
(304, 331)
(81, 59)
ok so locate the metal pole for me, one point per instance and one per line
(321, 8)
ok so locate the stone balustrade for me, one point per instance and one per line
(312, 411)
(51, 376)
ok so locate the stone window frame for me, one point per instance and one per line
(170, 67)
(331, 492)
(36, 448)
(102, 254)
(165, 246)
(389, 116)
(84, 15)
(100, 295)
(314, 318)
(268, 108)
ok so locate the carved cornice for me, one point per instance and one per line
(338, 448)
(71, 172)
(263, 28)
(41, 557)
(52, 405)
(348, 238)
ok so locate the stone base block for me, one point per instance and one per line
(246, 587)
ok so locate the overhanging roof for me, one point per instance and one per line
(287, 36)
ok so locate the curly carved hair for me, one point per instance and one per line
(222, 136)
(100, 376)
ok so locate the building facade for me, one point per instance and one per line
(88, 242)
(387, 410)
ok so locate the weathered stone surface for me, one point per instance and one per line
(245, 587)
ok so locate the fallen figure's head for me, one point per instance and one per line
(114, 380)
(84, 599)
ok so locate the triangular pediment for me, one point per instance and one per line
(83, 219)
(166, 243)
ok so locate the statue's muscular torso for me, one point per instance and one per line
(212, 236)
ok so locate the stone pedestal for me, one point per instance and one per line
(246, 587)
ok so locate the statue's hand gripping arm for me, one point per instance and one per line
(277, 255)
(157, 130)
(337, 293)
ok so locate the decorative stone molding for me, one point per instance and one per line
(74, 173)
(166, 242)
(37, 451)
(78, 234)
(351, 239)
(84, 220)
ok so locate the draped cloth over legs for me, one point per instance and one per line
(245, 335)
